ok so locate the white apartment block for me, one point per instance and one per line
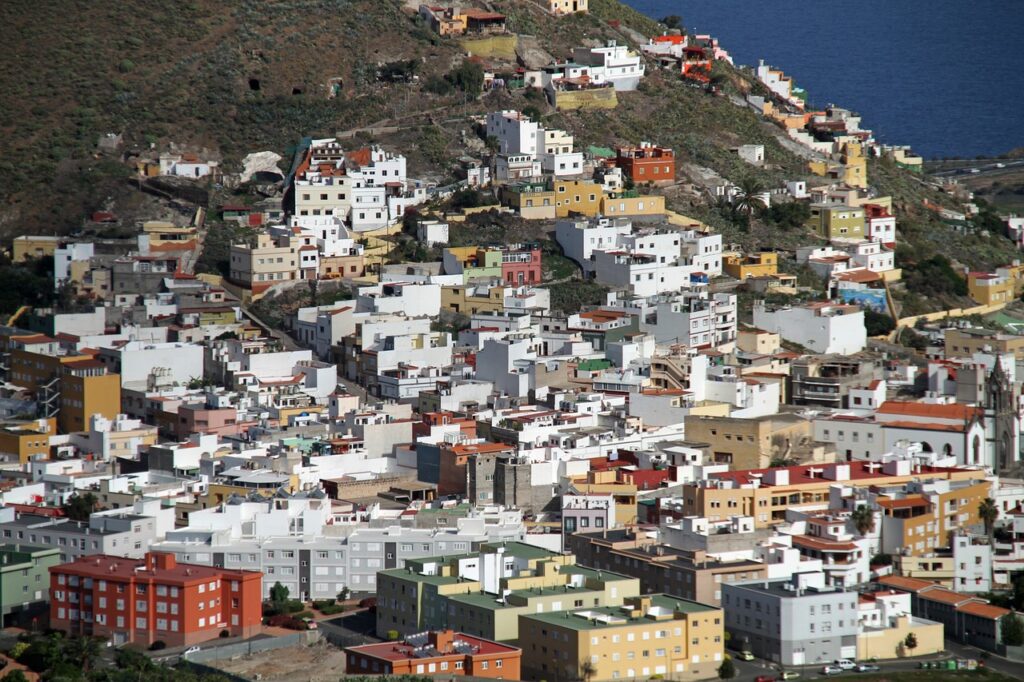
(819, 327)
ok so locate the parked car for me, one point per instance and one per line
(844, 664)
(745, 656)
(789, 675)
(368, 603)
(831, 670)
(868, 668)
(189, 651)
(764, 678)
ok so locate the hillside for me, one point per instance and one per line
(235, 77)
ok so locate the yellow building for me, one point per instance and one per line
(162, 234)
(888, 642)
(74, 387)
(559, 7)
(33, 246)
(577, 196)
(607, 483)
(778, 489)
(27, 440)
(930, 567)
(837, 222)
(87, 389)
(760, 265)
(920, 522)
(989, 288)
(484, 593)
(471, 299)
(964, 343)
(532, 200)
(619, 206)
(648, 637)
(856, 165)
(747, 443)
(263, 265)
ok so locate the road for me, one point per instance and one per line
(980, 168)
(747, 671)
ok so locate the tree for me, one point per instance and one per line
(863, 519)
(343, 595)
(748, 199)
(988, 512)
(587, 670)
(80, 507)
(1012, 629)
(910, 642)
(876, 323)
(15, 676)
(278, 593)
(85, 650)
(672, 21)
(728, 669)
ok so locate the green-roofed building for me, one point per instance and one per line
(485, 593)
(648, 636)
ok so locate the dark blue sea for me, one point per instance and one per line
(944, 76)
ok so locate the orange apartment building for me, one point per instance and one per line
(441, 652)
(647, 163)
(153, 599)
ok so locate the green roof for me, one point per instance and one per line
(594, 364)
(520, 549)
(601, 152)
(617, 616)
(419, 577)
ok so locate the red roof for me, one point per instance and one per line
(801, 474)
(956, 411)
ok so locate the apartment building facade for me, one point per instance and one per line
(153, 599)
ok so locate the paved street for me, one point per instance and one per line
(747, 671)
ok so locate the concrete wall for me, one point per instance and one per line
(492, 47)
(602, 98)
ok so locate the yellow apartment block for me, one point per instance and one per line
(648, 637)
(882, 643)
(759, 265)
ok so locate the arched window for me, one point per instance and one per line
(926, 446)
(976, 448)
(947, 449)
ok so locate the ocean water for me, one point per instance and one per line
(944, 76)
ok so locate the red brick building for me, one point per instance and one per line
(647, 163)
(443, 652)
(153, 599)
(521, 265)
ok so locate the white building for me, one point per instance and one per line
(819, 327)
(432, 232)
(615, 64)
(516, 134)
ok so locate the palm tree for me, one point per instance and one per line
(748, 199)
(587, 670)
(988, 512)
(863, 519)
(86, 650)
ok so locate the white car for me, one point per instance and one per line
(844, 664)
(189, 651)
(831, 670)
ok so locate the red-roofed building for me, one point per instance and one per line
(647, 163)
(442, 652)
(153, 599)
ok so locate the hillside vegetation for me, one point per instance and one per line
(234, 77)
